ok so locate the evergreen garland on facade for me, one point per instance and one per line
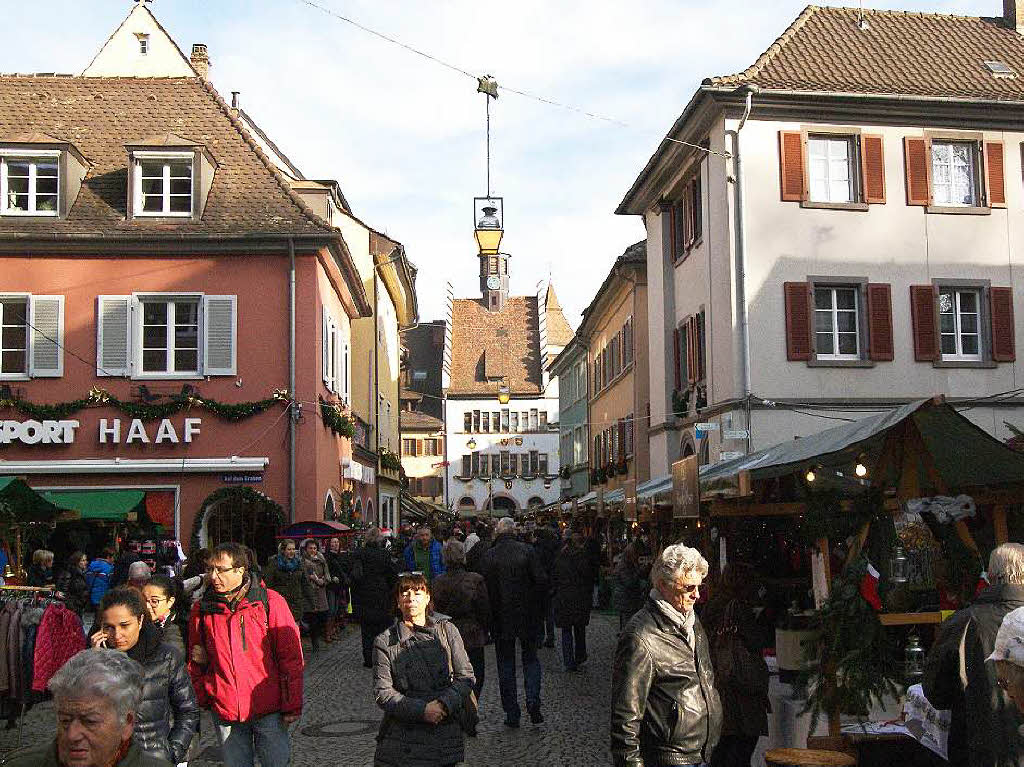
(389, 460)
(336, 420)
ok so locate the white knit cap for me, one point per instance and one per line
(1010, 639)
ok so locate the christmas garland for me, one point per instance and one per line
(336, 420)
(187, 399)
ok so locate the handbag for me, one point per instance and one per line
(468, 715)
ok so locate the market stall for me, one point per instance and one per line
(25, 517)
(865, 537)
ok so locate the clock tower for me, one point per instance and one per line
(493, 263)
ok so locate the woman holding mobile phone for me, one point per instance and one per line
(168, 716)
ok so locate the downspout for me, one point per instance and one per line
(740, 260)
(295, 407)
(375, 396)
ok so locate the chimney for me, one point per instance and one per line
(1013, 15)
(200, 59)
(234, 99)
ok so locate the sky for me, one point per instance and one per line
(405, 136)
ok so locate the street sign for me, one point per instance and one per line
(730, 455)
(709, 426)
(685, 492)
(735, 434)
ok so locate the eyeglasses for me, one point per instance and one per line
(688, 588)
(408, 573)
(221, 570)
(155, 601)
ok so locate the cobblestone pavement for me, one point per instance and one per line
(340, 719)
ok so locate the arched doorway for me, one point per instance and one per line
(242, 515)
(467, 505)
(503, 506)
(535, 502)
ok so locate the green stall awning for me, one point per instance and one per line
(22, 504)
(111, 505)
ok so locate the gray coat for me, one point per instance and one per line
(410, 669)
(319, 577)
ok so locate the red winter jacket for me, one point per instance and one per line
(252, 670)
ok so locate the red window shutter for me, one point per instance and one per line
(671, 233)
(1004, 347)
(872, 158)
(918, 169)
(995, 174)
(880, 343)
(791, 165)
(922, 312)
(798, 321)
(691, 373)
(675, 349)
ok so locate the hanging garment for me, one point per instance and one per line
(5, 669)
(14, 653)
(60, 636)
(30, 619)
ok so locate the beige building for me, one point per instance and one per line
(848, 236)
(614, 333)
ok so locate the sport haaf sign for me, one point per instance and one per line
(111, 432)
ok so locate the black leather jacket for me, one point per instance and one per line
(665, 710)
(168, 716)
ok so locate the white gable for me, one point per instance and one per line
(123, 56)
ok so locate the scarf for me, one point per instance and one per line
(288, 565)
(684, 622)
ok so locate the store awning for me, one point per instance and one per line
(961, 454)
(110, 505)
(653, 487)
(25, 505)
(314, 529)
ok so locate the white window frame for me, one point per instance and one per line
(26, 374)
(32, 158)
(958, 334)
(974, 168)
(138, 299)
(833, 312)
(167, 157)
(830, 142)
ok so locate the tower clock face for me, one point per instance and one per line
(493, 283)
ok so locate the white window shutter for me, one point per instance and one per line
(113, 335)
(46, 340)
(220, 337)
(325, 353)
(346, 380)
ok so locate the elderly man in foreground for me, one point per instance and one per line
(665, 710)
(96, 695)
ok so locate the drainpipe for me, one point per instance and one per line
(740, 258)
(375, 395)
(293, 420)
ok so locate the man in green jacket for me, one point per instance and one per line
(96, 695)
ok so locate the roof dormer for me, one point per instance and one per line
(39, 175)
(169, 177)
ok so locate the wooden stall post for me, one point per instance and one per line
(999, 527)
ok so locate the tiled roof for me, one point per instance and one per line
(559, 332)
(409, 420)
(100, 116)
(511, 338)
(920, 54)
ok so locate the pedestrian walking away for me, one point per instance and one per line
(245, 660)
(96, 695)
(167, 717)
(373, 584)
(423, 680)
(423, 554)
(630, 584)
(983, 730)
(664, 708)
(571, 599)
(516, 585)
(98, 575)
(339, 563)
(462, 596)
(314, 564)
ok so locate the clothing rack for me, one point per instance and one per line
(51, 587)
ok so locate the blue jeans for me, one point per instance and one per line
(242, 742)
(505, 653)
(573, 657)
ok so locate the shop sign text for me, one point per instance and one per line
(111, 431)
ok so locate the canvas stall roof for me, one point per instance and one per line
(964, 455)
(23, 504)
(653, 487)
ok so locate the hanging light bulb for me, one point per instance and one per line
(810, 476)
(860, 469)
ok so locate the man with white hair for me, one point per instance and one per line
(665, 710)
(958, 676)
(96, 695)
(1009, 657)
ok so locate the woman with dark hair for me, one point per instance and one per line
(161, 596)
(422, 679)
(72, 584)
(285, 575)
(741, 675)
(168, 716)
(571, 583)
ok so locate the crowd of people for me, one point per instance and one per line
(689, 684)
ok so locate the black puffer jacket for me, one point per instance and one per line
(410, 669)
(665, 710)
(373, 583)
(168, 716)
(984, 722)
(72, 584)
(517, 586)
